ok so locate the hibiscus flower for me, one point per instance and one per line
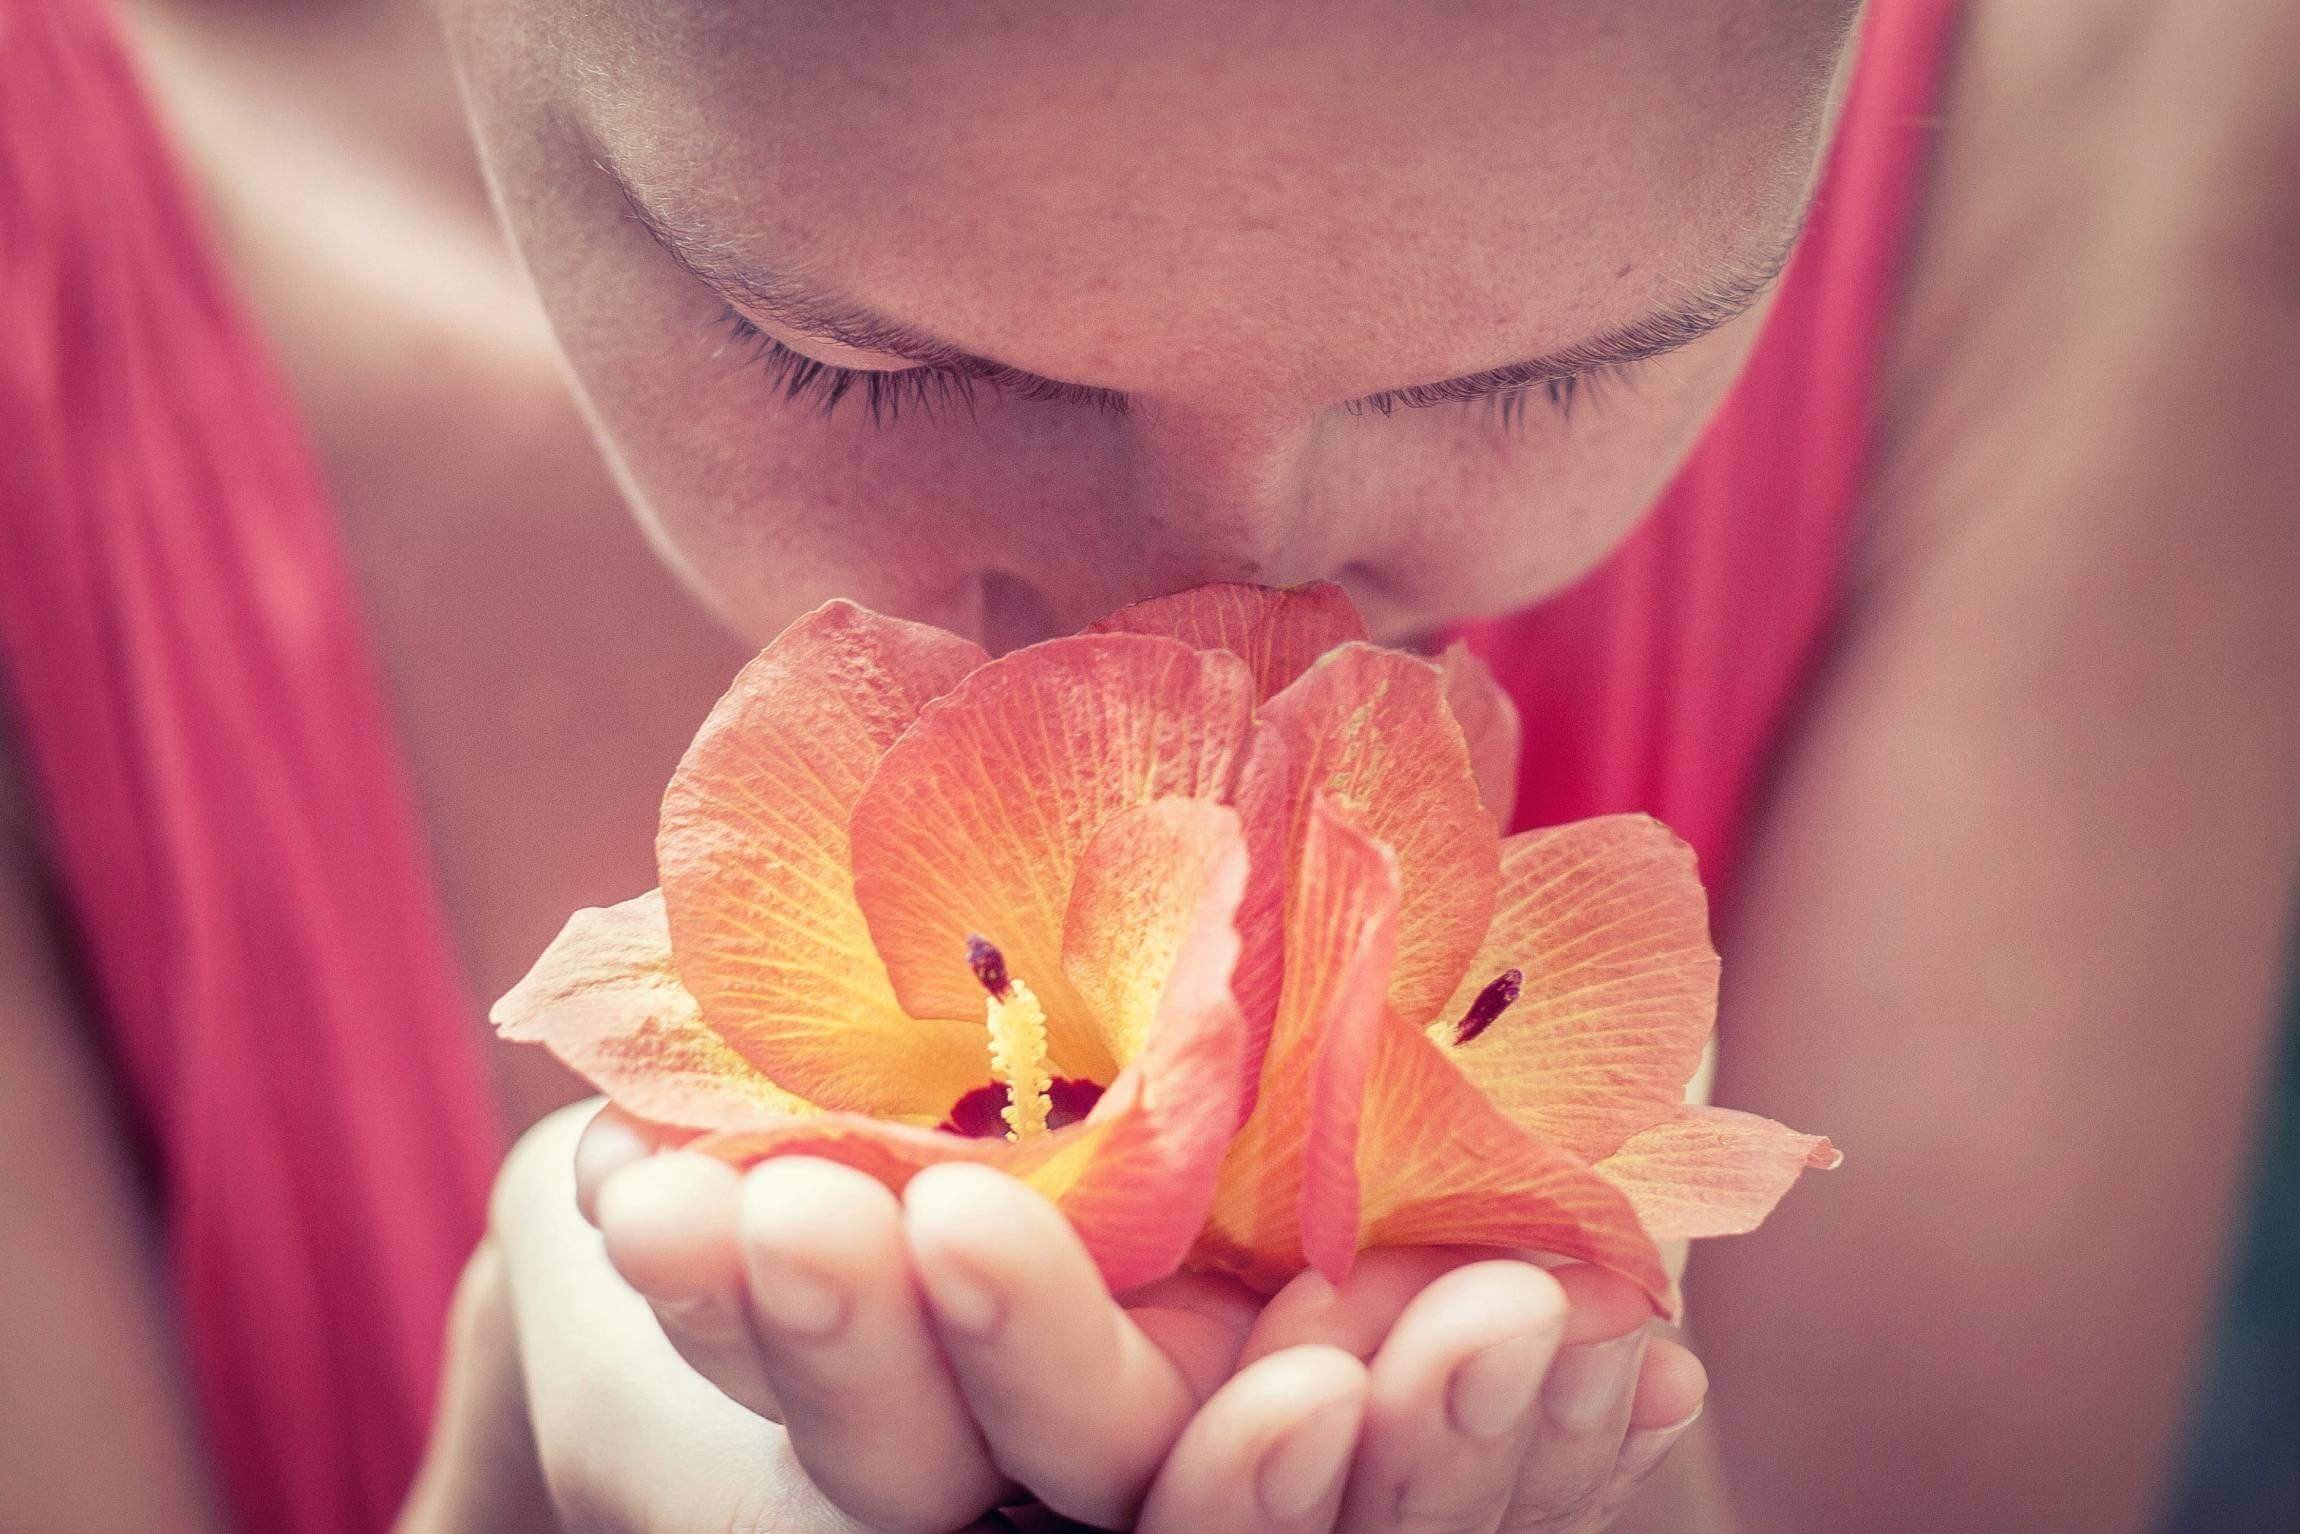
(1200, 922)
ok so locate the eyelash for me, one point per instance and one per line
(927, 388)
(933, 387)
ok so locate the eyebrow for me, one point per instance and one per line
(1706, 307)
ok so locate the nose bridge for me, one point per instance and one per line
(1225, 498)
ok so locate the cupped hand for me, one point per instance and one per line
(955, 1350)
(553, 1348)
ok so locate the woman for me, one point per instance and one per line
(1002, 318)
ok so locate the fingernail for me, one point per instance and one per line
(795, 1302)
(1642, 1447)
(1305, 1466)
(1588, 1383)
(961, 1299)
(1492, 1389)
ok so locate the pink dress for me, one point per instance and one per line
(205, 740)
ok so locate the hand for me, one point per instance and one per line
(1501, 1395)
(566, 1410)
(917, 1383)
(933, 1356)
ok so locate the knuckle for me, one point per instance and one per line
(1560, 1508)
(541, 1159)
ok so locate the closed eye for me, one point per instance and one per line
(928, 389)
(931, 389)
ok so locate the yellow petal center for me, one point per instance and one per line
(1018, 1059)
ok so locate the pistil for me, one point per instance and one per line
(1017, 1025)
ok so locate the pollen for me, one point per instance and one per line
(1017, 1024)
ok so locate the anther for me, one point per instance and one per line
(1490, 1004)
(989, 965)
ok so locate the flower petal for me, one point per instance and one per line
(1437, 1165)
(1136, 1176)
(1489, 722)
(1277, 630)
(1371, 727)
(979, 816)
(605, 999)
(1138, 890)
(1712, 1171)
(1287, 1194)
(1607, 922)
(1365, 1135)
(756, 869)
(1265, 787)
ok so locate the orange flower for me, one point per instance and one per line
(1469, 1039)
(918, 905)
(1216, 841)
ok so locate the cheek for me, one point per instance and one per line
(1480, 518)
(765, 509)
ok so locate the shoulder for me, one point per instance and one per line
(2081, 490)
(2184, 113)
(2101, 286)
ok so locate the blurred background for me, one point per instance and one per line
(2244, 1455)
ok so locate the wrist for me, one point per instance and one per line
(480, 1474)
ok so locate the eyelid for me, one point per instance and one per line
(1562, 391)
(932, 386)
(886, 391)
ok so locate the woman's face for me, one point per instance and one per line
(1003, 315)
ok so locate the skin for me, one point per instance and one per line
(1236, 289)
(2042, 745)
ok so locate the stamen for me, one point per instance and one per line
(1017, 1026)
(1490, 1004)
(988, 964)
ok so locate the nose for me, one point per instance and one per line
(1199, 499)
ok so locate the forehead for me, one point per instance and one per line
(1139, 194)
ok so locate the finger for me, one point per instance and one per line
(621, 1427)
(1199, 1320)
(1356, 1314)
(1671, 1389)
(1453, 1400)
(873, 1412)
(611, 1141)
(669, 1225)
(1270, 1451)
(1077, 1402)
(1601, 1305)
(1585, 1403)
(1671, 1385)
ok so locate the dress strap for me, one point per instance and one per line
(213, 764)
(1665, 680)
